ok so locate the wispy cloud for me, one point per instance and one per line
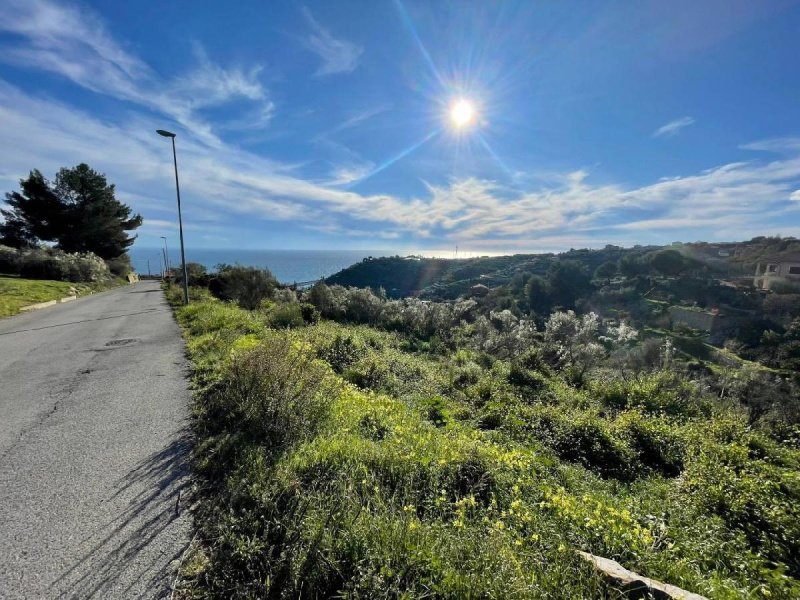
(781, 145)
(75, 44)
(338, 55)
(353, 121)
(673, 127)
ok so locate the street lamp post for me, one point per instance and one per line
(166, 263)
(166, 252)
(180, 218)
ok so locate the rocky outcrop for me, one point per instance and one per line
(633, 585)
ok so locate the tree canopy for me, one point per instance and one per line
(78, 212)
(668, 262)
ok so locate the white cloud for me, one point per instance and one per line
(795, 195)
(75, 44)
(673, 127)
(338, 55)
(782, 145)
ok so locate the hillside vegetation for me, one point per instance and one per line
(353, 446)
(638, 285)
(436, 278)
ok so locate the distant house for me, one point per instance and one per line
(779, 268)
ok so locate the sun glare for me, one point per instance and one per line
(462, 113)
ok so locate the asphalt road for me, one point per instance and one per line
(93, 448)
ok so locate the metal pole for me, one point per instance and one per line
(180, 226)
(148, 268)
(161, 264)
(166, 262)
(166, 250)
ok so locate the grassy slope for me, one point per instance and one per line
(16, 293)
(391, 488)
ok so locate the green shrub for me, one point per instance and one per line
(761, 500)
(436, 410)
(310, 313)
(275, 393)
(466, 375)
(9, 260)
(661, 392)
(370, 373)
(658, 446)
(121, 266)
(342, 352)
(247, 286)
(584, 438)
(372, 427)
(526, 378)
(197, 274)
(287, 316)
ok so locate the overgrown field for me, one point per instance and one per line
(16, 293)
(338, 460)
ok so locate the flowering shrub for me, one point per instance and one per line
(51, 263)
(574, 340)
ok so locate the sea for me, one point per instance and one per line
(288, 266)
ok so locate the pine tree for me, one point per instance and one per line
(79, 212)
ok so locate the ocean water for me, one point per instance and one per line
(287, 265)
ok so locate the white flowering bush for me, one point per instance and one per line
(502, 334)
(575, 341)
(51, 263)
(620, 335)
(84, 267)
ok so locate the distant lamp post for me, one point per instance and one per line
(180, 218)
(166, 252)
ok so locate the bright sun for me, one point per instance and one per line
(462, 113)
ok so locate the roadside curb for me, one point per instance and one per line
(47, 304)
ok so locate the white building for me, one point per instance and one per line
(779, 268)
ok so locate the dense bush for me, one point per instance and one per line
(287, 316)
(197, 274)
(120, 266)
(342, 351)
(585, 439)
(51, 263)
(247, 286)
(9, 260)
(274, 393)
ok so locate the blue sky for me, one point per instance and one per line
(326, 124)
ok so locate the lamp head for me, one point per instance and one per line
(165, 133)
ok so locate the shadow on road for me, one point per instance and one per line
(152, 490)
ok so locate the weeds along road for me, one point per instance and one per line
(93, 448)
